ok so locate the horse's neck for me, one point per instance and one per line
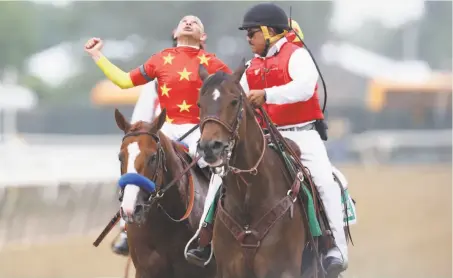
(246, 191)
(173, 165)
(171, 159)
(250, 145)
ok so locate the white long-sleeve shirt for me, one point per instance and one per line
(302, 71)
(144, 109)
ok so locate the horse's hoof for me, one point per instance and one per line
(120, 247)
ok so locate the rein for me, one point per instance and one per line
(258, 230)
(278, 139)
(160, 193)
(234, 137)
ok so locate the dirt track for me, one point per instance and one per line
(404, 230)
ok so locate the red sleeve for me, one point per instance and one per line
(217, 65)
(146, 72)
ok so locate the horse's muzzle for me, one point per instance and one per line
(133, 207)
(137, 216)
(211, 150)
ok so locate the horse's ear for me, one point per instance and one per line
(159, 121)
(121, 121)
(237, 74)
(203, 72)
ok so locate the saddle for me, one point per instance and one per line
(326, 240)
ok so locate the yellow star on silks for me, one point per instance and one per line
(168, 59)
(184, 74)
(165, 90)
(184, 106)
(168, 119)
(204, 59)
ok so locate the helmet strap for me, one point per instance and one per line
(270, 40)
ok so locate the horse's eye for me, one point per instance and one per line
(121, 157)
(198, 104)
(152, 158)
(234, 102)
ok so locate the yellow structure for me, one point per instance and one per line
(107, 93)
(383, 93)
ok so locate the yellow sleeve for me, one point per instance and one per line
(116, 75)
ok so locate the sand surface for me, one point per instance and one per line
(404, 230)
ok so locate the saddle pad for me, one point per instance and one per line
(313, 222)
(350, 215)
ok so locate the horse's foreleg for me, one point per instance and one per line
(153, 265)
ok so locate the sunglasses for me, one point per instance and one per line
(251, 33)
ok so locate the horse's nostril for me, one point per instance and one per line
(217, 145)
(211, 147)
(138, 209)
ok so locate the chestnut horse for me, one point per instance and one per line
(155, 237)
(260, 229)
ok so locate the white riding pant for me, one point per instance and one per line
(176, 131)
(314, 157)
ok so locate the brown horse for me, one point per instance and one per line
(150, 164)
(260, 228)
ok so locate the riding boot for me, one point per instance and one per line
(201, 254)
(336, 260)
(120, 245)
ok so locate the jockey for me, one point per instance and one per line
(290, 98)
(146, 109)
(202, 252)
(176, 71)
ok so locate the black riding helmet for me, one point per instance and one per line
(265, 14)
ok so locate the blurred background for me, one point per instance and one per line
(387, 67)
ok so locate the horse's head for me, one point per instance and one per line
(142, 164)
(221, 104)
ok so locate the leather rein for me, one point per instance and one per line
(155, 197)
(257, 230)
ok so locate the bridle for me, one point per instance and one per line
(161, 162)
(161, 168)
(160, 154)
(160, 157)
(154, 197)
(233, 129)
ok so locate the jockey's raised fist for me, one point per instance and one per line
(94, 45)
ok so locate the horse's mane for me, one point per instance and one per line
(215, 79)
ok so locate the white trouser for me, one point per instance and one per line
(175, 131)
(314, 157)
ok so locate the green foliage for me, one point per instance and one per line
(18, 36)
(27, 28)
